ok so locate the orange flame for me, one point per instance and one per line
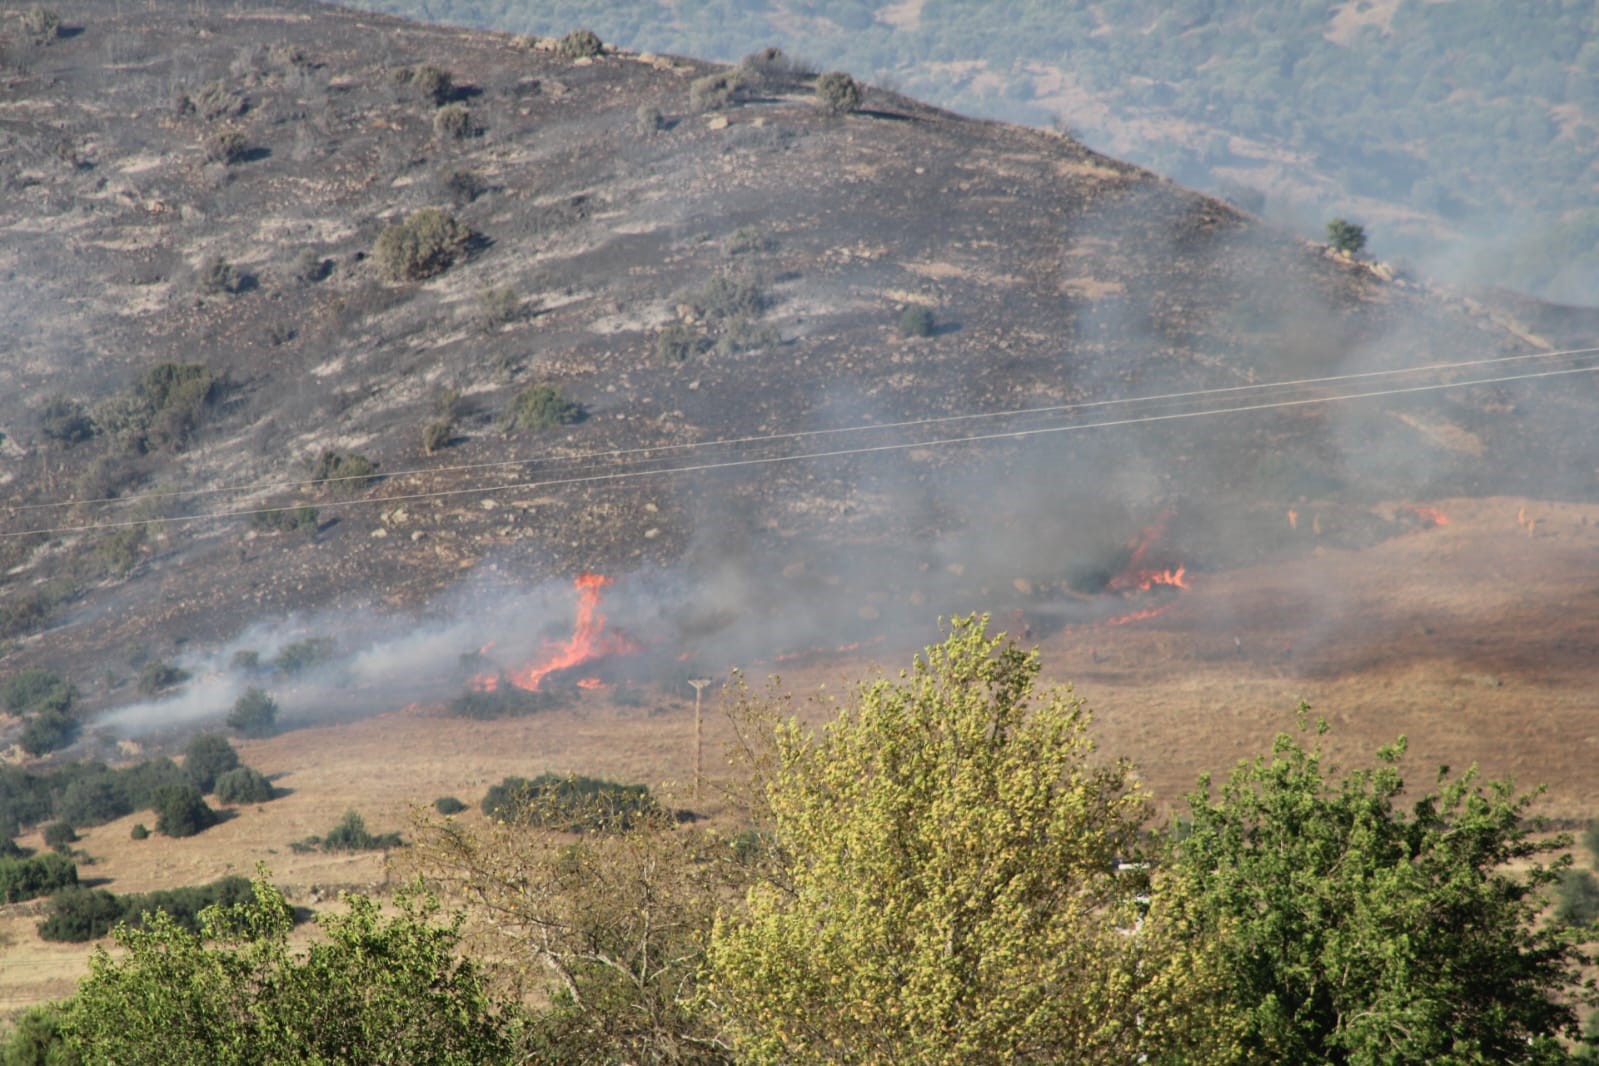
(1431, 517)
(1136, 616)
(1136, 575)
(589, 641)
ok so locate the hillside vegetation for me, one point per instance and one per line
(1466, 130)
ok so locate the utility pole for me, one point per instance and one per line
(699, 684)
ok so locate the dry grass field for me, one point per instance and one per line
(1477, 639)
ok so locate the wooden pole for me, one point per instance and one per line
(699, 684)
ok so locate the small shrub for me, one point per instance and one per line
(254, 714)
(226, 147)
(1577, 898)
(680, 342)
(343, 473)
(435, 84)
(94, 800)
(498, 307)
(462, 186)
(542, 407)
(66, 420)
(181, 811)
(140, 831)
(743, 334)
(453, 122)
(59, 837)
(36, 690)
(426, 243)
(724, 298)
(580, 44)
(771, 69)
(747, 239)
(157, 676)
(301, 518)
(217, 276)
(208, 757)
(569, 803)
(837, 92)
(78, 915)
(40, 875)
(117, 552)
(648, 119)
(41, 24)
(302, 655)
(216, 100)
(916, 321)
(505, 701)
(436, 434)
(48, 730)
(351, 835)
(1346, 237)
(243, 785)
(448, 805)
(310, 267)
(714, 91)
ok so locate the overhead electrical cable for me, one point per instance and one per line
(646, 453)
(622, 475)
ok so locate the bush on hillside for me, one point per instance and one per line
(434, 84)
(571, 803)
(22, 879)
(243, 785)
(350, 834)
(1346, 237)
(36, 690)
(64, 419)
(301, 518)
(254, 714)
(41, 24)
(453, 122)
(714, 91)
(648, 119)
(140, 831)
(542, 407)
(506, 701)
(163, 410)
(207, 757)
(428, 242)
(1577, 898)
(94, 800)
(78, 915)
(181, 811)
(296, 658)
(157, 676)
(448, 805)
(916, 321)
(47, 731)
(59, 837)
(837, 92)
(436, 435)
(226, 147)
(580, 44)
(343, 473)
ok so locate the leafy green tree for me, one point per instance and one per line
(36, 1040)
(1355, 932)
(181, 810)
(254, 714)
(243, 785)
(36, 690)
(955, 880)
(208, 757)
(838, 92)
(375, 990)
(47, 731)
(1345, 236)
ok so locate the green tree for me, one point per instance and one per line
(208, 757)
(181, 811)
(1354, 932)
(1577, 898)
(375, 990)
(243, 785)
(955, 881)
(36, 1040)
(254, 714)
(1345, 236)
(838, 92)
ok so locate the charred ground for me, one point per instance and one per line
(720, 272)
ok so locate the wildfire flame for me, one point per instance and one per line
(1430, 517)
(1137, 574)
(589, 641)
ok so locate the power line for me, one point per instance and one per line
(623, 475)
(645, 452)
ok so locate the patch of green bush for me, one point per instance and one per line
(770, 69)
(580, 44)
(436, 434)
(300, 656)
(216, 99)
(435, 84)
(254, 714)
(570, 803)
(243, 785)
(837, 92)
(1577, 898)
(680, 342)
(343, 473)
(310, 266)
(163, 410)
(916, 321)
(226, 147)
(498, 307)
(1346, 236)
(541, 407)
(181, 810)
(506, 701)
(448, 805)
(747, 239)
(715, 91)
(140, 831)
(301, 518)
(41, 24)
(117, 552)
(428, 242)
(64, 419)
(462, 186)
(724, 297)
(78, 915)
(207, 757)
(35, 689)
(40, 875)
(48, 730)
(350, 834)
(157, 676)
(648, 119)
(59, 837)
(453, 122)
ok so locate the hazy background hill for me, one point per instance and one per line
(1462, 132)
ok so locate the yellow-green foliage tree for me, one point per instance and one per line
(956, 880)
